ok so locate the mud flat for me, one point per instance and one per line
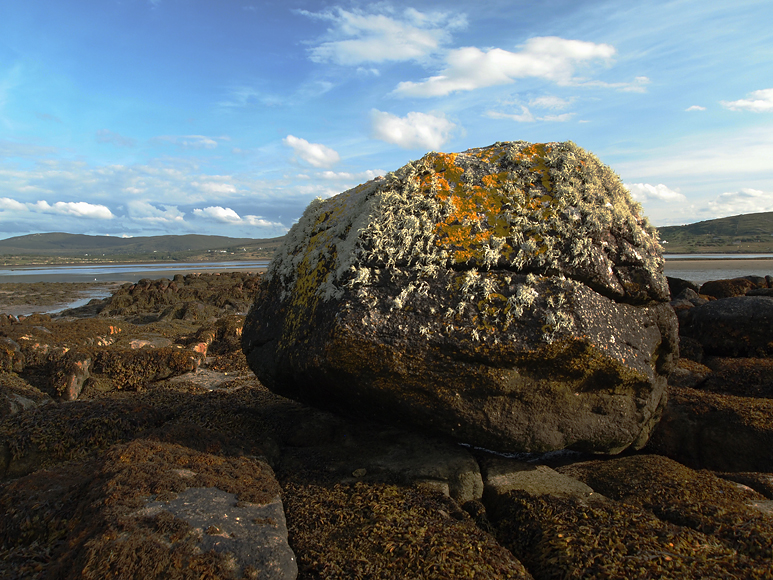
(19, 298)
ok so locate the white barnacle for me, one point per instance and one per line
(526, 295)
(470, 281)
(488, 285)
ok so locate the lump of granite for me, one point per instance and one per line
(511, 297)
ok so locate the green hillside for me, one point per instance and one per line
(58, 248)
(743, 234)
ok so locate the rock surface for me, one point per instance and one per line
(510, 297)
(741, 326)
(147, 481)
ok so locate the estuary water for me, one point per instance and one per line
(697, 268)
(700, 268)
(120, 272)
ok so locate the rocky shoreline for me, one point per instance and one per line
(135, 441)
(336, 416)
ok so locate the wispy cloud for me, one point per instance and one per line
(695, 108)
(551, 58)
(758, 102)
(414, 131)
(145, 211)
(356, 37)
(743, 154)
(345, 176)
(526, 116)
(191, 141)
(107, 136)
(16, 149)
(48, 117)
(545, 102)
(314, 154)
(245, 96)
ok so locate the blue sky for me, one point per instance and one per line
(146, 117)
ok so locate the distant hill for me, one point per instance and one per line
(746, 233)
(61, 247)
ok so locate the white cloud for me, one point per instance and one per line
(745, 200)
(107, 136)
(414, 131)
(357, 37)
(6, 203)
(144, 211)
(695, 108)
(191, 141)
(256, 220)
(220, 214)
(759, 102)
(314, 154)
(549, 57)
(644, 192)
(73, 208)
(228, 216)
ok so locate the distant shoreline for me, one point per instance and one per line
(122, 272)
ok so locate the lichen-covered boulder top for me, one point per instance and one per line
(510, 296)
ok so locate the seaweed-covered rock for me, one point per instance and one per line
(147, 510)
(11, 357)
(124, 368)
(198, 297)
(688, 373)
(716, 431)
(681, 496)
(744, 377)
(373, 530)
(732, 287)
(17, 395)
(570, 538)
(741, 326)
(502, 475)
(677, 285)
(511, 297)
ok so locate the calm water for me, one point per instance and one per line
(702, 268)
(698, 268)
(121, 272)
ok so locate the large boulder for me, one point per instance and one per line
(511, 297)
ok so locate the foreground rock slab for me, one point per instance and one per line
(140, 511)
(510, 297)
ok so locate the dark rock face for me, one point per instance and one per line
(741, 326)
(678, 285)
(716, 431)
(733, 286)
(510, 297)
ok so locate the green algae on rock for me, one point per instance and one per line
(510, 296)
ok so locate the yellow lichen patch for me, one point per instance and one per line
(474, 213)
